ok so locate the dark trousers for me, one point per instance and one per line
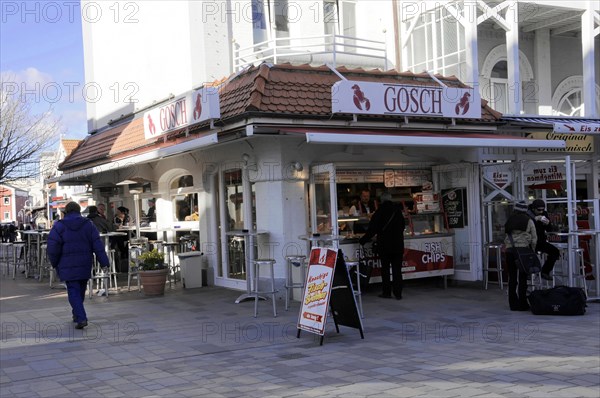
(552, 255)
(517, 284)
(76, 293)
(393, 260)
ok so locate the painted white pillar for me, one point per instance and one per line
(512, 60)
(472, 58)
(542, 71)
(589, 67)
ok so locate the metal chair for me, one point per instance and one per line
(290, 285)
(487, 267)
(256, 292)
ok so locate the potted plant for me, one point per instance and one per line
(153, 272)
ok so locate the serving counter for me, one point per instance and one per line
(425, 255)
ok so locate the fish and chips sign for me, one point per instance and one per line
(192, 108)
(359, 97)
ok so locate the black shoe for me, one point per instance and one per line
(81, 325)
(385, 295)
(74, 318)
(546, 276)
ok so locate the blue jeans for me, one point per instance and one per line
(76, 292)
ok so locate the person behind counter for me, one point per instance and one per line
(537, 212)
(151, 210)
(388, 224)
(365, 205)
(521, 226)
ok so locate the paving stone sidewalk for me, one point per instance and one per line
(458, 342)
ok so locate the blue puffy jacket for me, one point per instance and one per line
(71, 245)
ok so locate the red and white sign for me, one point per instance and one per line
(500, 178)
(577, 128)
(397, 99)
(317, 290)
(189, 109)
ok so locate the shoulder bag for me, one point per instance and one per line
(526, 258)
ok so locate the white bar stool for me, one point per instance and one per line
(498, 269)
(256, 292)
(290, 285)
(579, 271)
(18, 256)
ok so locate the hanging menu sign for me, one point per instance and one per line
(455, 206)
(405, 178)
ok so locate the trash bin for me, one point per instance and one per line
(191, 269)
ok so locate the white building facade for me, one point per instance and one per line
(247, 169)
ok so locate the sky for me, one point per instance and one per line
(41, 55)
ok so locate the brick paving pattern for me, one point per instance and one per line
(458, 342)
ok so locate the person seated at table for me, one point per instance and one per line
(100, 223)
(537, 212)
(122, 218)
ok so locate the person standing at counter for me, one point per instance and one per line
(72, 242)
(537, 212)
(388, 225)
(151, 210)
(522, 228)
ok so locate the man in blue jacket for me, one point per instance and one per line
(72, 242)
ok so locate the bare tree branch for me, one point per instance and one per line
(23, 136)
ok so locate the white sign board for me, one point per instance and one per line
(186, 110)
(317, 290)
(577, 128)
(397, 99)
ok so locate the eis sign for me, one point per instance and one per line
(189, 109)
(398, 99)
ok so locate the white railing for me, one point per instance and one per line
(333, 49)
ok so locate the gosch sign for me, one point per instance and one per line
(399, 99)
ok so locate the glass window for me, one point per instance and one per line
(259, 22)
(349, 25)
(7, 200)
(184, 198)
(330, 16)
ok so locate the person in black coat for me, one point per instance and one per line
(100, 223)
(537, 212)
(388, 224)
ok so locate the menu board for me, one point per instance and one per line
(455, 206)
(317, 290)
(405, 178)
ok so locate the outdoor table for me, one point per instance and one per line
(36, 234)
(322, 240)
(570, 259)
(248, 236)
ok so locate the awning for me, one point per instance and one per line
(567, 125)
(146, 157)
(423, 139)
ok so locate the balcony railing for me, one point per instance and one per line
(315, 50)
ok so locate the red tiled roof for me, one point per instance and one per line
(271, 91)
(69, 145)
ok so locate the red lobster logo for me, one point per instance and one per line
(151, 126)
(198, 107)
(463, 104)
(359, 98)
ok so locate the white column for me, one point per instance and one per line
(512, 60)
(470, 25)
(543, 75)
(589, 67)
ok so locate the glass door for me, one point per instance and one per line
(323, 200)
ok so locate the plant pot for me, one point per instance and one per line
(153, 282)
